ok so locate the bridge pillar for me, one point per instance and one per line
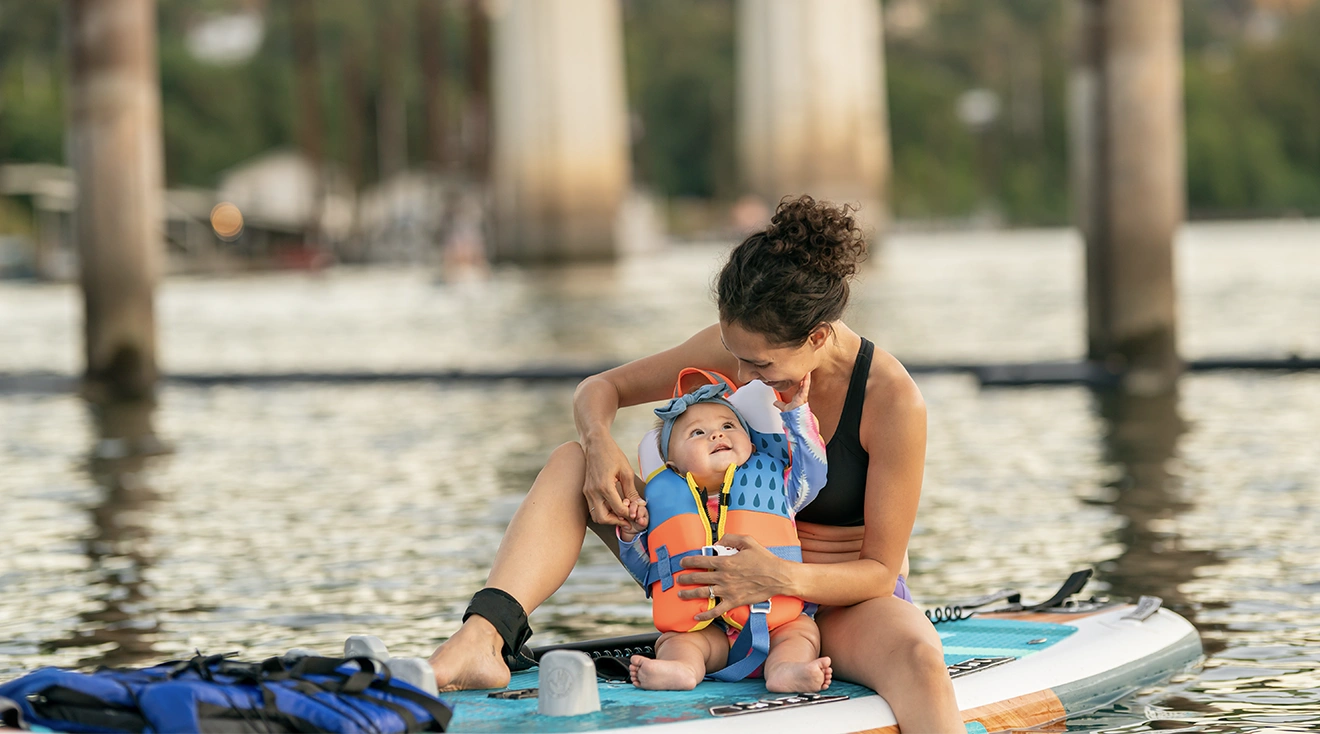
(812, 116)
(560, 167)
(116, 151)
(1128, 181)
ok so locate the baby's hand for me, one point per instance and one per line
(799, 398)
(638, 519)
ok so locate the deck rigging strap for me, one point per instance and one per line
(1074, 584)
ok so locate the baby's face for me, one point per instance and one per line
(705, 440)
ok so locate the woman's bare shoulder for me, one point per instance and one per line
(892, 396)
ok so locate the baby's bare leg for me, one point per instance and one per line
(681, 660)
(794, 664)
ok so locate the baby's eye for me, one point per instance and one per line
(728, 425)
(696, 432)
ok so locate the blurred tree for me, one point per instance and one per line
(32, 67)
(680, 76)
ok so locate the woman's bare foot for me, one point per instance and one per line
(799, 677)
(472, 659)
(662, 675)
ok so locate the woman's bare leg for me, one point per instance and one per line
(887, 644)
(794, 664)
(681, 660)
(535, 556)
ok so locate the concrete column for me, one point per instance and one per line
(116, 151)
(1128, 181)
(560, 169)
(812, 116)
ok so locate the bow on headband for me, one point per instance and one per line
(713, 393)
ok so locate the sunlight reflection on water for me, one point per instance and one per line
(296, 514)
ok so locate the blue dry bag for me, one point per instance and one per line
(215, 694)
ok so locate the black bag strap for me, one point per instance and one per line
(358, 682)
(11, 716)
(440, 713)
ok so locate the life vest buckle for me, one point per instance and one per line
(760, 607)
(717, 550)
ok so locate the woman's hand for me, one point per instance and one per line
(750, 576)
(609, 481)
(799, 398)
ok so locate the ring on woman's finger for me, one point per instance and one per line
(711, 590)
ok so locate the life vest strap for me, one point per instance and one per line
(665, 566)
(750, 649)
(786, 552)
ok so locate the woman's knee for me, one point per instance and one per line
(564, 471)
(924, 658)
(570, 452)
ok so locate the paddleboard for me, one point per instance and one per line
(1016, 667)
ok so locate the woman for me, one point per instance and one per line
(781, 298)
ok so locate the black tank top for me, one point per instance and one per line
(842, 500)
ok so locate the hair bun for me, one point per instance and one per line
(817, 236)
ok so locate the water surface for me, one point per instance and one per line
(296, 514)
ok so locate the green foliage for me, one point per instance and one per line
(680, 66)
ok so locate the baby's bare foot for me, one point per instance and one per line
(662, 675)
(472, 659)
(799, 677)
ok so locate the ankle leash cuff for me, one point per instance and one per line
(506, 615)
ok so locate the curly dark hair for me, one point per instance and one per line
(793, 276)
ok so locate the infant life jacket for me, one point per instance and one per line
(753, 502)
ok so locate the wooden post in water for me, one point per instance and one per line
(307, 69)
(560, 166)
(431, 40)
(115, 146)
(1128, 182)
(476, 102)
(391, 106)
(812, 116)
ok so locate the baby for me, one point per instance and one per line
(708, 443)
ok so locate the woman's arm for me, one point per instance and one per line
(609, 475)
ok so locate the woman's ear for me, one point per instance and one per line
(819, 334)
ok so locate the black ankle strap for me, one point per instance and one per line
(506, 615)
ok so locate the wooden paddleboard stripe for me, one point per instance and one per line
(1031, 710)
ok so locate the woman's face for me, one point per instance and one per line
(782, 368)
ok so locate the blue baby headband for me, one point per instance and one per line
(713, 393)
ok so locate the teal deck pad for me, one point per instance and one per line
(623, 705)
(971, 638)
